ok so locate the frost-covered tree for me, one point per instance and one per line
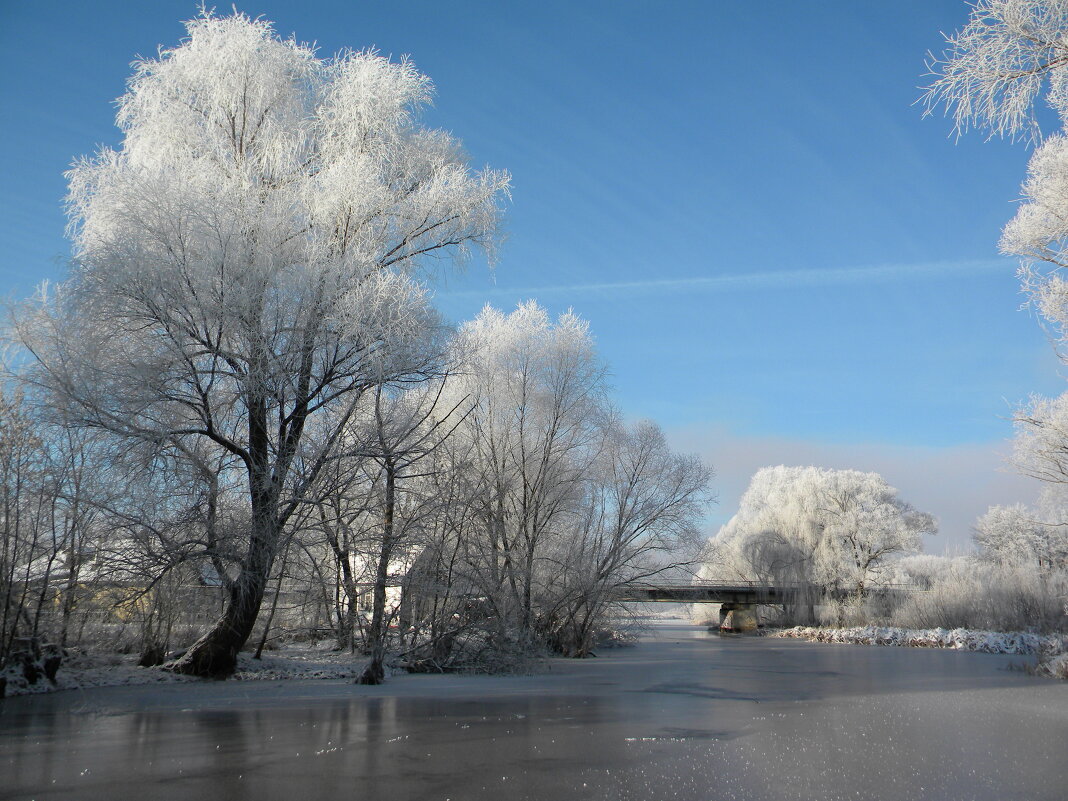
(54, 481)
(244, 267)
(1041, 437)
(1009, 534)
(534, 431)
(776, 531)
(638, 520)
(405, 430)
(549, 500)
(866, 524)
(1011, 55)
(1041, 451)
(28, 554)
(814, 525)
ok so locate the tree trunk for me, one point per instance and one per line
(375, 673)
(274, 606)
(215, 654)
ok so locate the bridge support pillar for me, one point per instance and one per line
(734, 617)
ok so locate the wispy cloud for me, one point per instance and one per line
(762, 280)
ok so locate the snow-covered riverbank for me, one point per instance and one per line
(318, 661)
(1052, 649)
(296, 660)
(299, 661)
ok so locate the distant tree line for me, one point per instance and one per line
(813, 528)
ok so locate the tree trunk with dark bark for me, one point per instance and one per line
(375, 672)
(215, 654)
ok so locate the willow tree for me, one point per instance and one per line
(244, 267)
(812, 525)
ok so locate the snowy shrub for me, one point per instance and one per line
(1054, 666)
(921, 570)
(850, 611)
(477, 650)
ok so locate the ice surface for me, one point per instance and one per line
(684, 714)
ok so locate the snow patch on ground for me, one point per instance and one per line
(300, 662)
(1052, 647)
(80, 672)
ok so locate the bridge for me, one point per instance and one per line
(739, 599)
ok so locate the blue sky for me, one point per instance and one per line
(780, 259)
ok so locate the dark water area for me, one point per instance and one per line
(682, 715)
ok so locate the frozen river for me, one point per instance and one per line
(683, 715)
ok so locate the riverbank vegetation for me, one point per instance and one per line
(855, 545)
(1050, 650)
(240, 421)
(852, 548)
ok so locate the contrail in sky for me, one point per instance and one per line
(771, 279)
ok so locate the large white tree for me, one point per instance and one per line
(1011, 535)
(811, 524)
(244, 267)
